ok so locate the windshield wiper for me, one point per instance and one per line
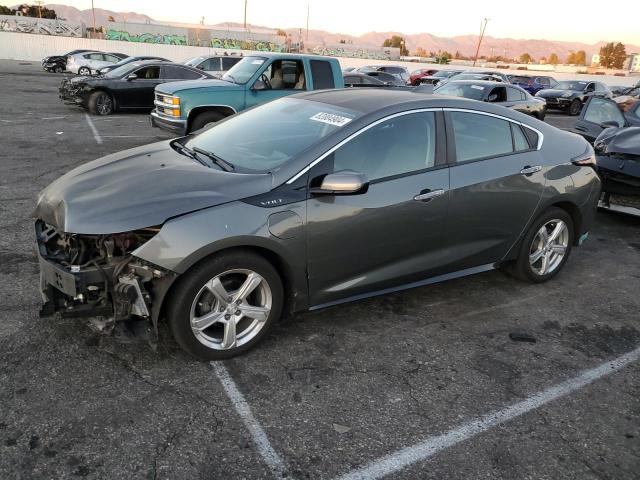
(188, 152)
(226, 166)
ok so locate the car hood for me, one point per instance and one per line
(139, 188)
(619, 141)
(553, 92)
(173, 87)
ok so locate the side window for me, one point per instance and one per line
(600, 110)
(520, 141)
(286, 75)
(352, 80)
(95, 56)
(174, 72)
(228, 62)
(111, 58)
(544, 81)
(148, 73)
(478, 136)
(211, 65)
(322, 74)
(514, 95)
(498, 94)
(590, 88)
(399, 145)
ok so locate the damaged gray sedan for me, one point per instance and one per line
(307, 202)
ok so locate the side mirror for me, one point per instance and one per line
(259, 85)
(131, 76)
(609, 124)
(493, 97)
(344, 182)
(201, 67)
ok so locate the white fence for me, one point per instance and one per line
(24, 46)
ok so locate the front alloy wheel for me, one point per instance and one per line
(84, 71)
(225, 305)
(231, 309)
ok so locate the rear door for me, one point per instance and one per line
(594, 114)
(497, 180)
(517, 100)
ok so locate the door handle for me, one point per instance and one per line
(425, 196)
(529, 170)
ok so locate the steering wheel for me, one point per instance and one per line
(266, 81)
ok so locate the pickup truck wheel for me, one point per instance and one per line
(203, 119)
(100, 103)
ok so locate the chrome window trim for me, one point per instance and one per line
(478, 112)
(409, 112)
(354, 135)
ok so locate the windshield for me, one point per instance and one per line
(192, 62)
(123, 68)
(578, 86)
(475, 92)
(242, 71)
(263, 138)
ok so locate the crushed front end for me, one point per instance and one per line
(71, 91)
(97, 276)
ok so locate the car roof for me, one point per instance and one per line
(369, 100)
(487, 83)
(285, 56)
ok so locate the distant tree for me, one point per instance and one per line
(526, 58)
(612, 55)
(110, 19)
(577, 58)
(5, 10)
(457, 55)
(421, 52)
(397, 41)
(553, 59)
(281, 33)
(343, 41)
(443, 57)
(543, 59)
(34, 11)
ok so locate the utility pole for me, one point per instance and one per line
(93, 14)
(307, 22)
(483, 27)
(245, 15)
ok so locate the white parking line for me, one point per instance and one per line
(269, 455)
(427, 448)
(93, 128)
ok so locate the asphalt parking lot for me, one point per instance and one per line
(328, 392)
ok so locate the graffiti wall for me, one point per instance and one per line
(42, 26)
(346, 51)
(124, 36)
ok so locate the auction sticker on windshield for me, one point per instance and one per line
(331, 119)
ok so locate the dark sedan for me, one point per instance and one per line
(355, 79)
(310, 201)
(130, 86)
(533, 83)
(439, 76)
(602, 113)
(510, 96)
(571, 95)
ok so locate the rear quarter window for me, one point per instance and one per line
(322, 74)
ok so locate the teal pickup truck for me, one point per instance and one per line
(183, 107)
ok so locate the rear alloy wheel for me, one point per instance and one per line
(225, 306)
(100, 103)
(546, 247)
(59, 69)
(84, 71)
(575, 107)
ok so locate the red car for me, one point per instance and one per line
(416, 75)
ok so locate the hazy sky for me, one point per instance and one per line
(583, 20)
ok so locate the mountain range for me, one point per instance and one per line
(465, 44)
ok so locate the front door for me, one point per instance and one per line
(138, 92)
(393, 234)
(497, 180)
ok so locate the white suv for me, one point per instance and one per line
(89, 62)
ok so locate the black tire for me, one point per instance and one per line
(187, 288)
(522, 268)
(58, 69)
(203, 119)
(84, 71)
(575, 107)
(101, 103)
